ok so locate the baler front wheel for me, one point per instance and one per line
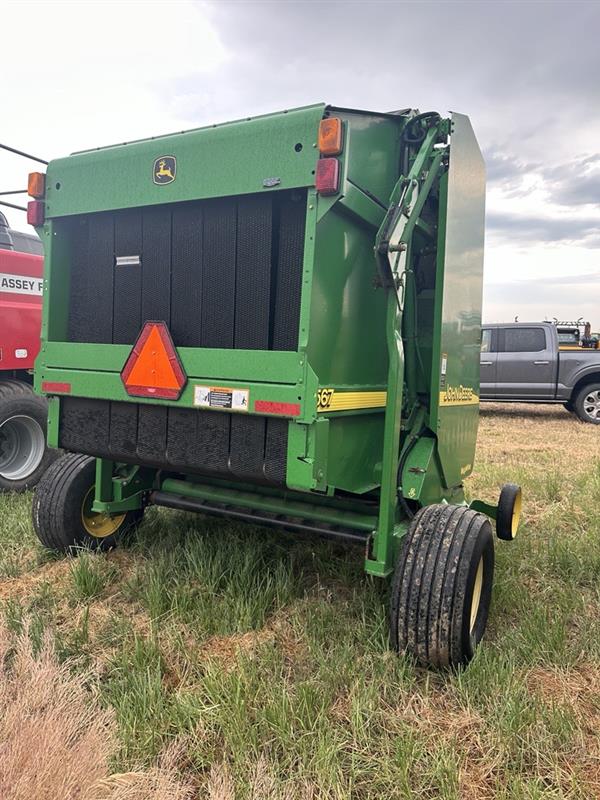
(62, 509)
(442, 586)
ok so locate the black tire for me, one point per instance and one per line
(509, 512)
(587, 403)
(434, 586)
(569, 406)
(59, 503)
(24, 455)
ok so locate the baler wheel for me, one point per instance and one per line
(509, 512)
(62, 515)
(24, 456)
(442, 586)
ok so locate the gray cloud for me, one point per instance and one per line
(521, 227)
(566, 297)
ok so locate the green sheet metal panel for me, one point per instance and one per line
(267, 153)
(455, 386)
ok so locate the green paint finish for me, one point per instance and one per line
(52, 425)
(272, 505)
(355, 444)
(120, 490)
(344, 346)
(109, 386)
(273, 367)
(455, 382)
(307, 455)
(230, 159)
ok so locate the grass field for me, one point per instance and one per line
(256, 663)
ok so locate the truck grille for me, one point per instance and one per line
(223, 273)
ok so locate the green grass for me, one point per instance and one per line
(266, 654)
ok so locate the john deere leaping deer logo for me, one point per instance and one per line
(165, 170)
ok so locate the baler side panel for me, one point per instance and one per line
(455, 384)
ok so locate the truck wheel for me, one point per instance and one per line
(587, 403)
(24, 456)
(62, 508)
(442, 586)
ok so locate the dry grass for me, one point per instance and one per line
(56, 740)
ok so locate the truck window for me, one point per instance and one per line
(486, 340)
(524, 340)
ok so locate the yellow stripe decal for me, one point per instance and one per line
(333, 400)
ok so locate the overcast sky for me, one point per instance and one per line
(83, 74)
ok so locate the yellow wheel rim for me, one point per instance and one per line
(476, 596)
(99, 525)
(516, 515)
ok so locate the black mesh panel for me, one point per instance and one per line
(223, 273)
(128, 279)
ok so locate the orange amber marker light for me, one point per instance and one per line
(330, 136)
(36, 184)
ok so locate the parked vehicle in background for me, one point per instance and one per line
(576, 334)
(23, 453)
(525, 362)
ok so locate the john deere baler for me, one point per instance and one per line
(278, 320)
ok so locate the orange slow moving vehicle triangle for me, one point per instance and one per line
(153, 368)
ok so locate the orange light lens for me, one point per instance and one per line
(36, 184)
(330, 136)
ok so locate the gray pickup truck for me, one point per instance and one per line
(523, 362)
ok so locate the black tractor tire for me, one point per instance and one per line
(587, 403)
(442, 586)
(61, 512)
(24, 455)
(509, 512)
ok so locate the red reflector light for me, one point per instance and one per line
(54, 387)
(153, 368)
(272, 407)
(35, 212)
(328, 176)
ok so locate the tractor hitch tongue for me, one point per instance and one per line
(278, 320)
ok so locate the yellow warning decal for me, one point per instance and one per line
(458, 396)
(334, 400)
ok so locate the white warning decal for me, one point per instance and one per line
(20, 284)
(221, 397)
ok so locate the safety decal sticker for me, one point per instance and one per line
(443, 370)
(221, 397)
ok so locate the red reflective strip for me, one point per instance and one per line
(54, 387)
(271, 407)
(153, 391)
